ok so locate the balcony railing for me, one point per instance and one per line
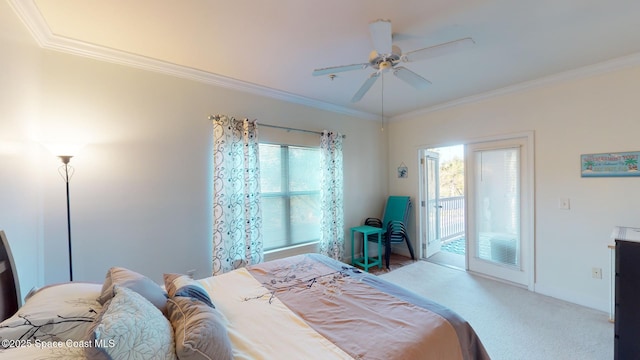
(451, 217)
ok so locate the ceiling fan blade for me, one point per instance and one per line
(411, 78)
(365, 87)
(436, 50)
(381, 36)
(337, 69)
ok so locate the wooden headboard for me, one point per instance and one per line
(10, 299)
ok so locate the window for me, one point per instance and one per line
(290, 195)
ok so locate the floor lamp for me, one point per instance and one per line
(66, 171)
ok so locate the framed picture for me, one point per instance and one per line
(610, 164)
(403, 172)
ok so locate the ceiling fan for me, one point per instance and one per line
(386, 57)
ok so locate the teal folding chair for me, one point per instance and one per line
(394, 220)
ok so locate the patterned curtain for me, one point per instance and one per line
(332, 223)
(237, 237)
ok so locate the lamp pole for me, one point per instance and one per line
(65, 168)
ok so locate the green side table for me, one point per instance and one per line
(365, 261)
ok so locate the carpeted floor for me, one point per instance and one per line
(512, 323)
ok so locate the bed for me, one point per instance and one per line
(10, 298)
(301, 307)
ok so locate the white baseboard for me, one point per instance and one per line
(561, 294)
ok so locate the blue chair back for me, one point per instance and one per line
(397, 209)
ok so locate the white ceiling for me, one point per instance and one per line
(271, 47)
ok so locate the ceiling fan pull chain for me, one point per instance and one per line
(382, 101)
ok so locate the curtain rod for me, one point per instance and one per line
(293, 129)
(211, 117)
(289, 129)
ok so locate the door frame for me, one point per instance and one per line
(530, 178)
(428, 250)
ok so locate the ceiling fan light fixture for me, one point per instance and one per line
(386, 57)
(385, 65)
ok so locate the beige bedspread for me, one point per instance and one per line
(310, 306)
(363, 321)
(262, 327)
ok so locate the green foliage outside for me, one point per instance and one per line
(452, 178)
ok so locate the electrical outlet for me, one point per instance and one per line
(596, 273)
(564, 204)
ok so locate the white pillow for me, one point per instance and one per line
(56, 312)
(130, 327)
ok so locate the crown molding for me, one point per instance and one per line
(30, 15)
(574, 74)
(28, 12)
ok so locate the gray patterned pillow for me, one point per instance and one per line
(139, 283)
(183, 285)
(130, 327)
(200, 331)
